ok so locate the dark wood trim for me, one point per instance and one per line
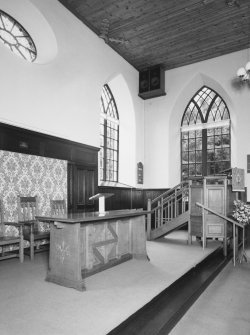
(30, 142)
(16, 139)
(128, 198)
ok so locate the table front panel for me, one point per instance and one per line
(107, 244)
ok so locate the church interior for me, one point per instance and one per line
(123, 156)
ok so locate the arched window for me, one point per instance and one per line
(16, 38)
(109, 137)
(205, 135)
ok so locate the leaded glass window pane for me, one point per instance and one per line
(205, 151)
(109, 136)
(16, 38)
(191, 153)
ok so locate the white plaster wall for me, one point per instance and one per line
(163, 116)
(60, 94)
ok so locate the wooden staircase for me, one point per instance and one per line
(169, 211)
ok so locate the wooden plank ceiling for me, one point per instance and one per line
(172, 33)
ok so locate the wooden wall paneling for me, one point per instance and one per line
(82, 168)
(126, 198)
(19, 140)
(152, 194)
(123, 198)
(34, 143)
(85, 155)
(82, 160)
(59, 148)
(138, 199)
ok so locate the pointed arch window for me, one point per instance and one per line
(16, 38)
(109, 137)
(205, 135)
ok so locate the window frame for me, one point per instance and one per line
(18, 47)
(203, 126)
(109, 144)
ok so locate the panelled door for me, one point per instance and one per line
(82, 185)
(216, 200)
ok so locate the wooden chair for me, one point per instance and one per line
(10, 240)
(27, 211)
(58, 207)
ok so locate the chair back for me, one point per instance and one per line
(27, 208)
(58, 207)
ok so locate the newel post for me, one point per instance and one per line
(175, 203)
(189, 212)
(149, 219)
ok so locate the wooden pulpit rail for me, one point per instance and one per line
(227, 219)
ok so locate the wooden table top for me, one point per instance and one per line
(84, 217)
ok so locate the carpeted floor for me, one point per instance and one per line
(224, 308)
(30, 305)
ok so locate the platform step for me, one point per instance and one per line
(162, 313)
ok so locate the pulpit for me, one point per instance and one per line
(216, 193)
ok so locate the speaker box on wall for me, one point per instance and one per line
(144, 81)
(152, 82)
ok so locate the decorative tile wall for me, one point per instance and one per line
(29, 175)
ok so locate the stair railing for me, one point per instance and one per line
(235, 224)
(167, 206)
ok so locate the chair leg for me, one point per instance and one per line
(21, 247)
(32, 244)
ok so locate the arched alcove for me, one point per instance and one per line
(198, 81)
(127, 129)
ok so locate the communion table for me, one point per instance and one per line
(82, 244)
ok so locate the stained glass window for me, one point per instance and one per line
(109, 137)
(205, 135)
(16, 38)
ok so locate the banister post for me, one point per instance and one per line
(182, 201)
(234, 242)
(189, 194)
(158, 219)
(189, 212)
(161, 211)
(204, 215)
(149, 219)
(203, 229)
(175, 204)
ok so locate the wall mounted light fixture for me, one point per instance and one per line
(244, 72)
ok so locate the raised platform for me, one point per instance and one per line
(112, 296)
(162, 313)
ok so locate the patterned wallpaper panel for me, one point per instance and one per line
(29, 175)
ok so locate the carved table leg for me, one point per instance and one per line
(137, 225)
(65, 256)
